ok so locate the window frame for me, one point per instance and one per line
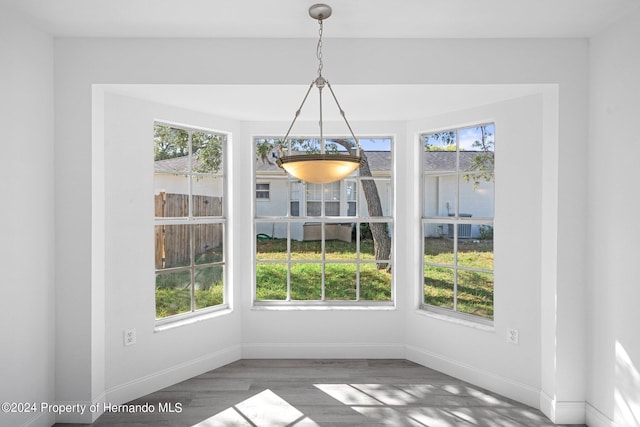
(454, 221)
(304, 217)
(192, 221)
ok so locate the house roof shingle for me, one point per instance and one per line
(379, 162)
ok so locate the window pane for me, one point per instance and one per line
(172, 198)
(439, 194)
(266, 157)
(476, 253)
(437, 249)
(207, 152)
(440, 141)
(307, 250)
(340, 244)
(458, 184)
(304, 146)
(375, 284)
(340, 281)
(188, 183)
(342, 147)
(435, 230)
(207, 196)
(382, 233)
(172, 246)
(476, 168)
(208, 286)
(306, 282)
(377, 145)
(269, 247)
(477, 195)
(208, 243)
(173, 293)
(276, 203)
(477, 138)
(368, 190)
(316, 246)
(271, 281)
(438, 286)
(171, 149)
(367, 249)
(475, 293)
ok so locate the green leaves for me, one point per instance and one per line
(206, 147)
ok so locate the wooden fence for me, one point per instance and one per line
(172, 241)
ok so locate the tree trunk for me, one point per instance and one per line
(379, 231)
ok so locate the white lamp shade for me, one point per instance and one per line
(320, 168)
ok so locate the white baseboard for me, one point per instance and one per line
(595, 418)
(322, 351)
(158, 380)
(563, 412)
(75, 415)
(517, 391)
(40, 419)
(138, 387)
(547, 405)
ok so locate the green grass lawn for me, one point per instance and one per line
(306, 282)
(173, 290)
(171, 301)
(475, 289)
(306, 278)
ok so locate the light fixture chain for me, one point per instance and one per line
(319, 48)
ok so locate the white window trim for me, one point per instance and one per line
(431, 310)
(195, 315)
(357, 219)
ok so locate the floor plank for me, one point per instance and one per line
(306, 392)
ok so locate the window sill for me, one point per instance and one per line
(190, 318)
(320, 306)
(457, 318)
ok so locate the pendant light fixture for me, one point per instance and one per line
(321, 168)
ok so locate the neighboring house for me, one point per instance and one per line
(475, 197)
(343, 198)
(170, 178)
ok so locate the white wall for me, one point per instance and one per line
(455, 347)
(83, 62)
(27, 243)
(159, 358)
(614, 150)
(330, 333)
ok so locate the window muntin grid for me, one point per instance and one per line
(190, 221)
(457, 222)
(315, 226)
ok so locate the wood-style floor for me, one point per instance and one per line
(308, 392)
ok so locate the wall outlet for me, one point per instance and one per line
(129, 337)
(512, 336)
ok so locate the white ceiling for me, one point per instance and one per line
(360, 102)
(351, 18)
